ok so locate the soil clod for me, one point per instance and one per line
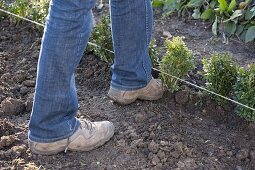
(12, 106)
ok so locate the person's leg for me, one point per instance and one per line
(131, 30)
(131, 72)
(55, 105)
(66, 33)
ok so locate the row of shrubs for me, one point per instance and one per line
(221, 73)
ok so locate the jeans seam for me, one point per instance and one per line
(73, 66)
(146, 36)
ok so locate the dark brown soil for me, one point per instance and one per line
(181, 131)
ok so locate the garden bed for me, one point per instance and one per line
(184, 130)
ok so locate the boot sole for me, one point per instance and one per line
(100, 143)
(129, 101)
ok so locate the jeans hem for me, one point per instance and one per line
(129, 88)
(40, 140)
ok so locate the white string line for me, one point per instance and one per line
(42, 25)
(181, 80)
(7, 12)
(202, 88)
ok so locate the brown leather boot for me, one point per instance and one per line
(90, 135)
(153, 91)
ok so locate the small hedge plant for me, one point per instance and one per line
(153, 52)
(101, 36)
(177, 61)
(245, 92)
(220, 73)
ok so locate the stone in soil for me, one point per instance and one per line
(229, 153)
(155, 160)
(12, 106)
(121, 143)
(24, 90)
(139, 118)
(137, 143)
(6, 77)
(252, 126)
(29, 83)
(239, 168)
(6, 141)
(15, 151)
(182, 97)
(252, 155)
(6, 128)
(19, 77)
(242, 154)
(175, 154)
(153, 147)
(18, 150)
(178, 146)
(29, 102)
(133, 136)
(220, 111)
(164, 143)
(161, 154)
(152, 135)
(187, 163)
(88, 73)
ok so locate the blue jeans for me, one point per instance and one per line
(66, 34)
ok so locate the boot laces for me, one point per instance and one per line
(85, 123)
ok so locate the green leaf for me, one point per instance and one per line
(196, 14)
(217, 10)
(171, 5)
(232, 5)
(223, 5)
(244, 22)
(250, 35)
(157, 3)
(207, 14)
(212, 4)
(195, 3)
(249, 14)
(230, 28)
(239, 29)
(236, 14)
(253, 9)
(247, 26)
(214, 26)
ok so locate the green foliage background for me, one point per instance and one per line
(228, 17)
(34, 10)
